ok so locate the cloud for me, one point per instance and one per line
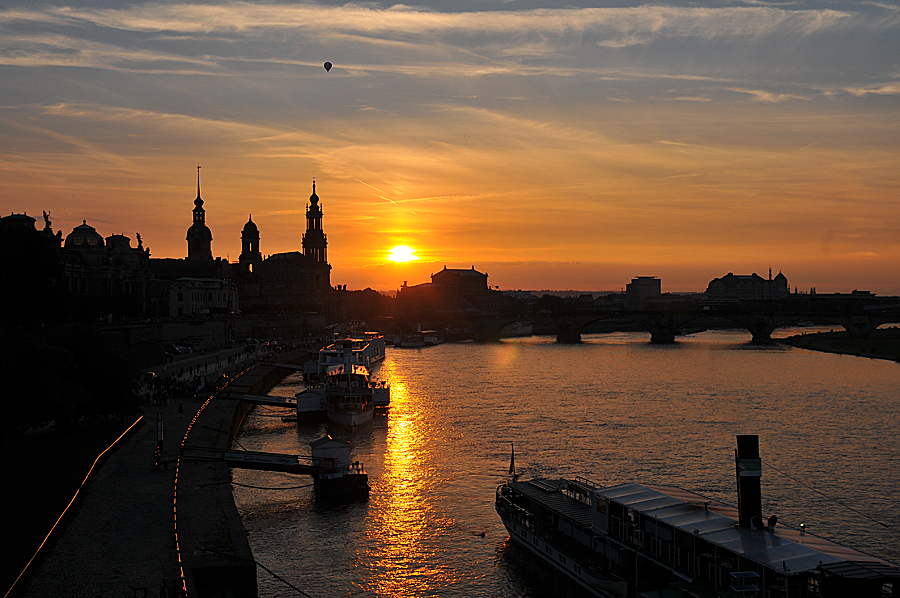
(881, 90)
(761, 95)
(254, 19)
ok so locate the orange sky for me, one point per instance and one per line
(551, 148)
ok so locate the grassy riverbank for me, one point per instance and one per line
(882, 344)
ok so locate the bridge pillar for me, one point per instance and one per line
(860, 326)
(662, 329)
(761, 328)
(568, 333)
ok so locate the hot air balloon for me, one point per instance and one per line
(327, 66)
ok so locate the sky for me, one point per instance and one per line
(551, 146)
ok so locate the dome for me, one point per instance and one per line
(84, 237)
(198, 232)
(250, 227)
(781, 277)
(314, 199)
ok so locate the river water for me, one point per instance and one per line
(614, 409)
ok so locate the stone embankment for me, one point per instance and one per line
(139, 528)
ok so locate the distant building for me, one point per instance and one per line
(732, 287)
(452, 290)
(639, 290)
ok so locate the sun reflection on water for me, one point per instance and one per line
(404, 520)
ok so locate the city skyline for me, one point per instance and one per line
(551, 148)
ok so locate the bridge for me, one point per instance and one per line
(860, 315)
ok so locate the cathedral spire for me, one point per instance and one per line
(198, 188)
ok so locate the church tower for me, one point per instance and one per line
(314, 243)
(250, 255)
(199, 237)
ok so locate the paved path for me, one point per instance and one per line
(122, 534)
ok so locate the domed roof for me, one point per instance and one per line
(314, 199)
(84, 237)
(781, 277)
(199, 232)
(250, 227)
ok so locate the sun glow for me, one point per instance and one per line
(402, 253)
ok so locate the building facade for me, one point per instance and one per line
(732, 287)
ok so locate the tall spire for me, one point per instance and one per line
(198, 184)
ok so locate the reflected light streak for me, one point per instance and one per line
(402, 511)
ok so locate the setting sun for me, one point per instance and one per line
(402, 253)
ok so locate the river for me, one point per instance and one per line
(613, 409)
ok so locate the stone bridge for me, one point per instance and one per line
(664, 321)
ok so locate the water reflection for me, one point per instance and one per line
(402, 562)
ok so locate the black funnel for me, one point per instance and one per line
(749, 472)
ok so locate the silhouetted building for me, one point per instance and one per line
(315, 246)
(199, 237)
(199, 264)
(451, 290)
(639, 290)
(31, 273)
(292, 281)
(743, 287)
(250, 257)
(107, 276)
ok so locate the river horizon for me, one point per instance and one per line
(614, 409)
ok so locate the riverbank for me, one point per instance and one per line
(122, 534)
(884, 343)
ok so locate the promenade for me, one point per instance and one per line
(121, 538)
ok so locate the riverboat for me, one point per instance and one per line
(422, 338)
(648, 540)
(517, 329)
(363, 348)
(349, 396)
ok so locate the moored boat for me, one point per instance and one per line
(337, 478)
(349, 397)
(631, 538)
(364, 348)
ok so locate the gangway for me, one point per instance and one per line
(278, 462)
(271, 401)
(335, 477)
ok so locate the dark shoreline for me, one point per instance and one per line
(884, 343)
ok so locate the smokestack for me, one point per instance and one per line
(749, 472)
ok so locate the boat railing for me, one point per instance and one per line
(588, 483)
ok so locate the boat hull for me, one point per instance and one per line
(564, 563)
(351, 419)
(344, 488)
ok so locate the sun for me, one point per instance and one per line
(402, 253)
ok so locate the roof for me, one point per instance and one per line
(717, 524)
(546, 493)
(328, 441)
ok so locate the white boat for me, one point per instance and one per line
(422, 338)
(365, 348)
(517, 329)
(637, 540)
(349, 397)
